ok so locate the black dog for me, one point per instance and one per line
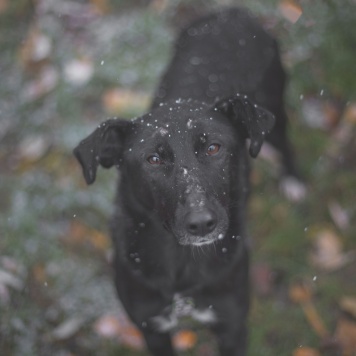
(179, 223)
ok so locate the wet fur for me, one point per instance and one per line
(224, 84)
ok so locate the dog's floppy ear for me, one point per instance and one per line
(104, 146)
(255, 121)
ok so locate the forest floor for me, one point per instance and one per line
(68, 65)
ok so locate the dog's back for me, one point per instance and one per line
(225, 53)
(221, 55)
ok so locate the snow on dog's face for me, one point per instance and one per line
(183, 160)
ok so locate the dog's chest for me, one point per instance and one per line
(182, 307)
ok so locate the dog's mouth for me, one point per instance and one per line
(203, 241)
(191, 240)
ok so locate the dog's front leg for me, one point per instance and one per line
(232, 338)
(158, 344)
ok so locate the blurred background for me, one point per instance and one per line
(67, 65)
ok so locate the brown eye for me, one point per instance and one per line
(154, 159)
(213, 149)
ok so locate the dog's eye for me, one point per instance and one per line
(154, 159)
(213, 149)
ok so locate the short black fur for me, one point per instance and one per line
(179, 223)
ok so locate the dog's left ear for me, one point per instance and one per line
(255, 121)
(104, 146)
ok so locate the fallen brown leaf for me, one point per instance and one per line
(350, 113)
(132, 338)
(306, 351)
(117, 100)
(35, 50)
(101, 6)
(39, 273)
(184, 340)
(43, 84)
(327, 250)
(290, 10)
(3, 5)
(346, 335)
(301, 293)
(110, 326)
(80, 234)
(348, 304)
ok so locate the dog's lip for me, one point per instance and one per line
(202, 242)
(199, 240)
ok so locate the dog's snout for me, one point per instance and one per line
(201, 222)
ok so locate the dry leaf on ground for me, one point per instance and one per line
(350, 113)
(110, 326)
(306, 351)
(43, 84)
(184, 340)
(117, 100)
(82, 235)
(301, 293)
(327, 251)
(346, 335)
(348, 305)
(321, 113)
(3, 5)
(290, 10)
(35, 50)
(101, 6)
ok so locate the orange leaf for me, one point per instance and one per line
(306, 351)
(80, 234)
(290, 10)
(184, 339)
(3, 6)
(35, 50)
(110, 326)
(300, 292)
(132, 338)
(350, 113)
(346, 335)
(39, 273)
(101, 6)
(119, 100)
(348, 304)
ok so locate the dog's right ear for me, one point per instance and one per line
(254, 121)
(104, 146)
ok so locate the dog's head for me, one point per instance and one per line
(179, 162)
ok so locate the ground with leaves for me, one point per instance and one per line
(66, 66)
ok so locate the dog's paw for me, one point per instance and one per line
(293, 189)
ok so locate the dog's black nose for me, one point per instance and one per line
(200, 222)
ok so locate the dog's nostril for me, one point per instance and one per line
(210, 224)
(200, 222)
(193, 228)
